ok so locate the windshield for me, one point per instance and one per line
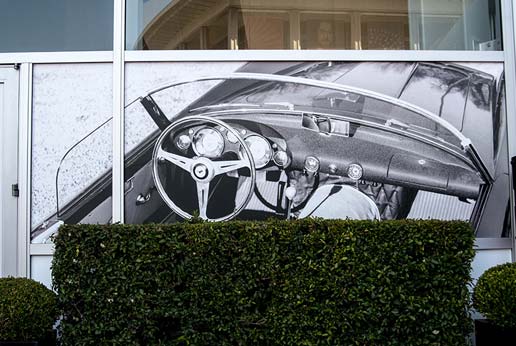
(83, 164)
(260, 91)
(355, 105)
(299, 95)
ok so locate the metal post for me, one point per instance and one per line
(118, 110)
(508, 16)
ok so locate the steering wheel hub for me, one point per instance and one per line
(200, 171)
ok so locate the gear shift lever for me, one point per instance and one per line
(290, 193)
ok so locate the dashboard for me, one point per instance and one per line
(342, 149)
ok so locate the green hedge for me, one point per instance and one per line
(495, 295)
(307, 282)
(28, 310)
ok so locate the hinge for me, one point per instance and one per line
(15, 190)
(16, 66)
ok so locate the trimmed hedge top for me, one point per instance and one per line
(305, 282)
(28, 309)
(495, 295)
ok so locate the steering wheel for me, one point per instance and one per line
(202, 169)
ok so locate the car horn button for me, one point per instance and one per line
(200, 171)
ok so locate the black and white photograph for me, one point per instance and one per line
(260, 140)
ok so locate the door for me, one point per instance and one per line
(9, 246)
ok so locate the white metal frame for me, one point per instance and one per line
(509, 43)
(56, 57)
(312, 55)
(118, 110)
(9, 81)
(24, 168)
(118, 57)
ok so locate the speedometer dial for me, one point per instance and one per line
(208, 142)
(260, 149)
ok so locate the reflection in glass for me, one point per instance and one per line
(56, 25)
(213, 35)
(263, 30)
(385, 32)
(325, 31)
(339, 24)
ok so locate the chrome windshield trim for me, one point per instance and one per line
(465, 142)
(223, 105)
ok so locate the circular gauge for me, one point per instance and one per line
(260, 149)
(231, 138)
(312, 164)
(183, 142)
(281, 158)
(355, 171)
(208, 142)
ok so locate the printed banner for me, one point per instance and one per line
(357, 140)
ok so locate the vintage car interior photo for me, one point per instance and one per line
(368, 140)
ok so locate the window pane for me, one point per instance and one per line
(56, 25)
(71, 146)
(324, 24)
(325, 31)
(455, 25)
(384, 32)
(402, 125)
(262, 30)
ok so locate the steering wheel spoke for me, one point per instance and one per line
(222, 167)
(203, 190)
(178, 160)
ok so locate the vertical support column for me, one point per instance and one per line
(204, 37)
(295, 30)
(233, 28)
(24, 169)
(11, 250)
(118, 110)
(416, 22)
(356, 31)
(509, 37)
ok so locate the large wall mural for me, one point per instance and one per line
(358, 140)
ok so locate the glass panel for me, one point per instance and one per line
(455, 25)
(217, 33)
(263, 30)
(325, 31)
(339, 134)
(325, 24)
(385, 32)
(56, 25)
(71, 146)
(91, 160)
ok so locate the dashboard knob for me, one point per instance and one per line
(312, 164)
(355, 171)
(290, 192)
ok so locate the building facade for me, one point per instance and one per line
(143, 111)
